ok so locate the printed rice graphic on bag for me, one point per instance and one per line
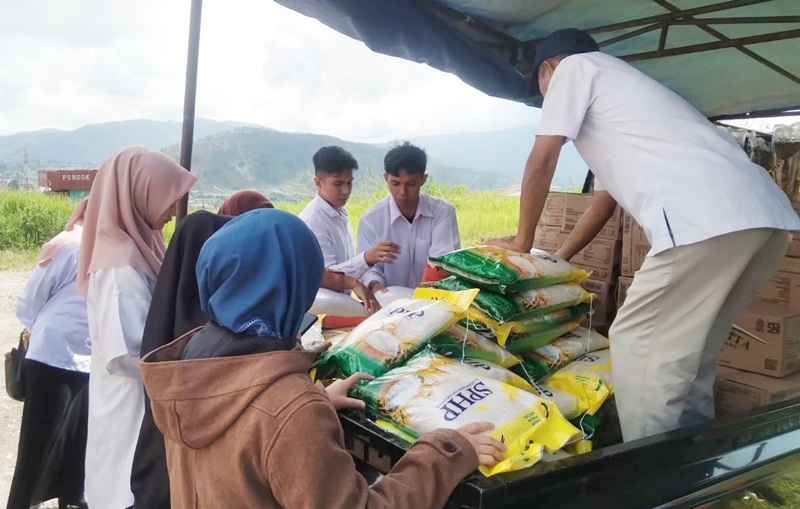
(539, 363)
(458, 342)
(432, 392)
(500, 270)
(588, 378)
(396, 332)
(522, 304)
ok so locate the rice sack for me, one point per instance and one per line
(431, 391)
(534, 340)
(539, 363)
(390, 336)
(478, 321)
(459, 342)
(566, 402)
(495, 372)
(527, 303)
(588, 378)
(500, 270)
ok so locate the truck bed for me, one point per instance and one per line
(688, 468)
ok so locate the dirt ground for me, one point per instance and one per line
(11, 283)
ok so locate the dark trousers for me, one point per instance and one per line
(52, 441)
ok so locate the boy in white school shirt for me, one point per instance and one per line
(716, 222)
(419, 224)
(327, 218)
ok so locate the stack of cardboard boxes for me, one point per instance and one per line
(760, 359)
(634, 249)
(601, 257)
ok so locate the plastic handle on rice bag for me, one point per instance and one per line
(431, 392)
(588, 378)
(390, 336)
(458, 342)
(462, 299)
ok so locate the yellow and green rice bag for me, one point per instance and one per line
(588, 378)
(393, 334)
(431, 392)
(503, 271)
(458, 342)
(524, 304)
(531, 341)
(539, 363)
(478, 321)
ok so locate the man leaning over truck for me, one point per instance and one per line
(716, 222)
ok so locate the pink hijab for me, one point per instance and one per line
(71, 235)
(133, 189)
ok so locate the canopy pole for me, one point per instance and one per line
(189, 96)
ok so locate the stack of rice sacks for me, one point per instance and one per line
(432, 372)
(526, 300)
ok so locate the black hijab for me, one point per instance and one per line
(174, 311)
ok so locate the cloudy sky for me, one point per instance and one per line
(74, 62)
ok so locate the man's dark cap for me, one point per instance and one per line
(569, 41)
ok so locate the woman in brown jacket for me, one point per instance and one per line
(244, 424)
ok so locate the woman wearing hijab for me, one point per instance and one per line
(175, 310)
(245, 426)
(133, 196)
(52, 443)
(244, 201)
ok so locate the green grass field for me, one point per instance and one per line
(29, 219)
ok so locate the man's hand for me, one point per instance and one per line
(489, 450)
(377, 286)
(509, 243)
(337, 392)
(371, 304)
(382, 252)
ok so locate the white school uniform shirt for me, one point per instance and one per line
(433, 232)
(118, 303)
(335, 236)
(682, 178)
(55, 314)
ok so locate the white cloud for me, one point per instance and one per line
(88, 61)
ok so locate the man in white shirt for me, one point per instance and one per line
(326, 216)
(716, 223)
(419, 224)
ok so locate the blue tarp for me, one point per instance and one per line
(726, 57)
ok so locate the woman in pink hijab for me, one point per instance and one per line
(133, 196)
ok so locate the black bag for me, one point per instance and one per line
(15, 379)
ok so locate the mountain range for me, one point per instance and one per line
(234, 155)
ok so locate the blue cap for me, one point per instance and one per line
(570, 41)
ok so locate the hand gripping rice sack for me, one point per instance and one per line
(431, 391)
(588, 378)
(458, 342)
(500, 270)
(390, 336)
(539, 363)
(533, 340)
(527, 303)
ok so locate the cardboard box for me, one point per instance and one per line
(600, 254)
(635, 246)
(607, 273)
(790, 265)
(783, 288)
(546, 237)
(793, 251)
(604, 303)
(553, 212)
(623, 283)
(737, 392)
(574, 207)
(765, 338)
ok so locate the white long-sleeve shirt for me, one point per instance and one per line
(118, 302)
(335, 237)
(433, 232)
(55, 314)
